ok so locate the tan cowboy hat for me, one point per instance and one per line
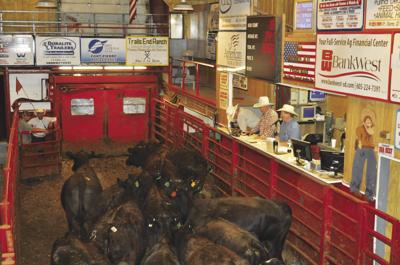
(40, 110)
(262, 101)
(367, 112)
(289, 109)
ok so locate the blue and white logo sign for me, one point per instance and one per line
(57, 51)
(103, 51)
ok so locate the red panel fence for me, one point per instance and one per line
(330, 226)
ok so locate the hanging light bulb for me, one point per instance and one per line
(46, 4)
(183, 6)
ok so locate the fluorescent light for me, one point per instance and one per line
(118, 67)
(65, 68)
(88, 67)
(140, 67)
(183, 6)
(46, 4)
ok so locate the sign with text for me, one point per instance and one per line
(211, 51)
(58, 51)
(263, 48)
(232, 14)
(304, 15)
(397, 130)
(356, 64)
(386, 149)
(147, 51)
(382, 14)
(16, 50)
(231, 49)
(223, 90)
(103, 50)
(340, 14)
(395, 84)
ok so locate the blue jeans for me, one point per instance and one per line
(364, 155)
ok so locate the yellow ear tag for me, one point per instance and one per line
(166, 184)
(137, 184)
(193, 184)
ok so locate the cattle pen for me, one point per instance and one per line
(329, 226)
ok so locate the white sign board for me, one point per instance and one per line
(103, 50)
(386, 149)
(231, 50)
(395, 84)
(339, 15)
(397, 131)
(16, 50)
(232, 14)
(58, 51)
(382, 14)
(356, 64)
(27, 86)
(147, 51)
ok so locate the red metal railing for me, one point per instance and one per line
(330, 226)
(7, 210)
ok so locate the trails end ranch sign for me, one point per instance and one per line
(356, 64)
(147, 51)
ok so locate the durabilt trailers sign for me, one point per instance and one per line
(356, 64)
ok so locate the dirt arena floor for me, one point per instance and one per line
(41, 216)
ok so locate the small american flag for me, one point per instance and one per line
(132, 10)
(299, 61)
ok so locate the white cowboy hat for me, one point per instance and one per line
(262, 101)
(289, 109)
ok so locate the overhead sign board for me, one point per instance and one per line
(395, 84)
(58, 51)
(340, 14)
(16, 50)
(231, 51)
(382, 14)
(232, 14)
(356, 64)
(147, 50)
(103, 50)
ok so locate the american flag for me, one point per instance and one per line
(299, 61)
(132, 10)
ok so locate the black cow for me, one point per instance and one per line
(140, 154)
(242, 242)
(69, 250)
(80, 193)
(268, 219)
(120, 234)
(196, 250)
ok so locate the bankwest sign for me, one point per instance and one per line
(356, 64)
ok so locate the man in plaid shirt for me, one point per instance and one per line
(267, 124)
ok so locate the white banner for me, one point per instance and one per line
(103, 50)
(231, 50)
(356, 64)
(147, 51)
(16, 50)
(340, 14)
(382, 14)
(395, 84)
(232, 14)
(58, 51)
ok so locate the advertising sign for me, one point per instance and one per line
(299, 61)
(304, 15)
(340, 14)
(382, 14)
(147, 50)
(223, 90)
(386, 149)
(395, 84)
(58, 51)
(356, 64)
(16, 50)
(231, 49)
(397, 131)
(211, 51)
(103, 51)
(232, 14)
(263, 48)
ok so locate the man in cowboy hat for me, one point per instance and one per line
(289, 128)
(40, 125)
(365, 153)
(267, 123)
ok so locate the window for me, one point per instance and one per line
(134, 105)
(176, 26)
(82, 106)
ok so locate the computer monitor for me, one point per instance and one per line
(332, 161)
(301, 149)
(307, 113)
(314, 96)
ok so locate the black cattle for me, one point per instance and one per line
(69, 250)
(267, 219)
(242, 242)
(143, 151)
(79, 194)
(120, 234)
(195, 250)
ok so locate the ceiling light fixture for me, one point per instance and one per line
(183, 6)
(118, 67)
(46, 4)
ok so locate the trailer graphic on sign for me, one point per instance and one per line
(355, 64)
(148, 51)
